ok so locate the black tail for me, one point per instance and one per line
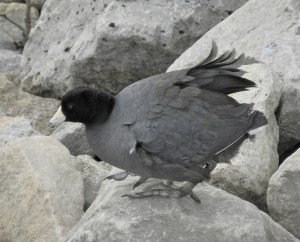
(259, 121)
(219, 74)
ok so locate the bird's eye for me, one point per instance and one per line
(70, 106)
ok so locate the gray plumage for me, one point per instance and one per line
(177, 125)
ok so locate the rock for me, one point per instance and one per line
(10, 61)
(15, 102)
(268, 32)
(12, 128)
(72, 135)
(250, 170)
(93, 173)
(220, 217)
(10, 33)
(283, 194)
(110, 45)
(41, 192)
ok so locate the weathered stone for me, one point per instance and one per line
(268, 32)
(257, 159)
(12, 128)
(72, 135)
(220, 217)
(93, 173)
(10, 33)
(110, 44)
(41, 192)
(15, 102)
(283, 194)
(10, 61)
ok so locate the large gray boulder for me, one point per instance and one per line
(111, 44)
(12, 128)
(72, 135)
(15, 102)
(41, 192)
(283, 194)
(268, 32)
(220, 217)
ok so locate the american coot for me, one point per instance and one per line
(175, 126)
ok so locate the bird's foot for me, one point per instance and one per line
(186, 189)
(182, 191)
(118, 177)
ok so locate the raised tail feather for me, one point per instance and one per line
(259, 121)
(219, 74)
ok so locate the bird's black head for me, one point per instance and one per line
(84, 105)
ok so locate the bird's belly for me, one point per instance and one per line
(115, 150)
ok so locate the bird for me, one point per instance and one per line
(175, 126)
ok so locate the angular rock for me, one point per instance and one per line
(250, 170)
(220, 217)
(268, 32)
(15, 102)
(10, 33)
(109, 44)
(93, 173)
(72, 135)
(41, 192)
(12, 128)
(283, 194)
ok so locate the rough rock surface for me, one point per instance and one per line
(93, 173)
(10, 61)
(268, 32)
(72, 135)
(283, 194)
(110, 44)
(41, 192)
(10, 33)
(251, 169)
(220, 217)
(12, 128)
(15, 102)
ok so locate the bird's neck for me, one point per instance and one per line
(103, 106)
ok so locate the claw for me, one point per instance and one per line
(185, 189)
(139, 182)
(118, 177)
(195, 197)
